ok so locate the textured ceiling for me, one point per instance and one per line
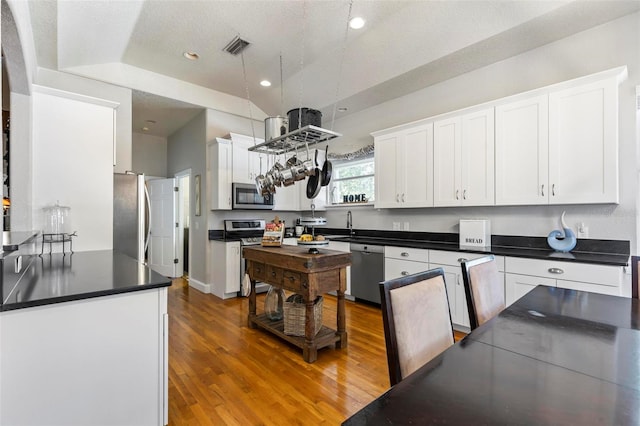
(405, 46)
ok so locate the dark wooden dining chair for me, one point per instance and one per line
(635, 279)
(417, 321)
(484, 288)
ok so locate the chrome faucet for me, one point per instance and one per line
(350, 222)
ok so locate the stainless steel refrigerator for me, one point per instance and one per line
(130, 215)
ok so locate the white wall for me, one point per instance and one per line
(20, 163)
(149, 155)
(187, 149)
(607, 46)
(100, 90)
(73, 165)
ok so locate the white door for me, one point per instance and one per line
(162, 226)
(386, 164)
(478, 158)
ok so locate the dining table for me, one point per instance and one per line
(554, 357)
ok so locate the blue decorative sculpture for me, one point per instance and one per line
(562, 241)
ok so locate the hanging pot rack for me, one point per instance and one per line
(300, 138)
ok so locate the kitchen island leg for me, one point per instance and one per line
(310, 349)
(341, 318)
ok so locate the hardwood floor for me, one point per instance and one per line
(223, 373)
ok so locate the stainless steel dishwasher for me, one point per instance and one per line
(367, 270)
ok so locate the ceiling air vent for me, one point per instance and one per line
(236, 46)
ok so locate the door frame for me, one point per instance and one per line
(182, 192)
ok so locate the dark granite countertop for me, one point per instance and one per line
(601, 252)
(59, 278)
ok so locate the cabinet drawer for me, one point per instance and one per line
(292, 281)
(396, 268)
(406, 253)
(274, 275)
(258, 271)
(567, 271)
(455, 258)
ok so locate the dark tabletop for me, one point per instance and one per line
(553, 357)
(58, 278)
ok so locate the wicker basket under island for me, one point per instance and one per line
(294, 315)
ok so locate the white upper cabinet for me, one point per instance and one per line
(404, 168)
(583, 148)
(287, 197)
(246, 164)
(463, 152)
(553, 145)
(560, 148)
(219, 173)
(522, 150)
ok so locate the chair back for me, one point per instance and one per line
(417, 321)
(484, 288)
(635, 279)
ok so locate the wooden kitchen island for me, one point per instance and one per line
(294, 269)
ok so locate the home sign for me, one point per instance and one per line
(354, 198)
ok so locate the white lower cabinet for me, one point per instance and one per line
(450, 262)
(345, 247)
(401, 261)
(522, 275)
(225, 268)
(102, 360)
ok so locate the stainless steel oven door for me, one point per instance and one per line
(245, 284)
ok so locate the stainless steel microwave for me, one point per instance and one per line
(246, 197)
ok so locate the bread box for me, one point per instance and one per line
(475, 233)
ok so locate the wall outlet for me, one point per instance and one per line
(583, 231)
(406, 226)
(396, 226)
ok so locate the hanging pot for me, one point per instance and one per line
(301, 117)
(325, 175)
(275, 127)
(313, 184)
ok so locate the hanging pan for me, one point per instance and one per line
(326, 169)
(313, 184)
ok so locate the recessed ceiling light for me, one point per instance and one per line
(145, 129)
(265, 83)
(356, 23)
(343, 109)
(192, 56)
(151, 121)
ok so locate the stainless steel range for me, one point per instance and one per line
(249, 232)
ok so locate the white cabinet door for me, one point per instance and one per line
(246, 164)
(517, 286)
(521, 152)
(404, 173)
(225, 268)
(478, 164)
(287, 198)
(219, 174)
(414, 167)
(447, 145)
(583, 147)
(386, 171)
(232, 266)
(463, 160)
(455, 293)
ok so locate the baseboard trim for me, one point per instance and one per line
(200, 286)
